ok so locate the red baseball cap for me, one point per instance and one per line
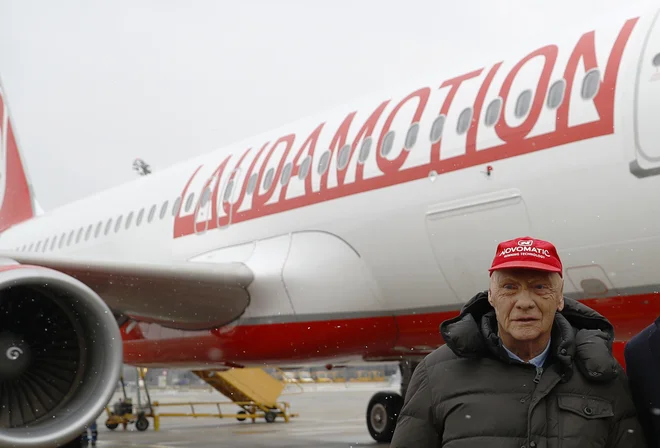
(527, 252)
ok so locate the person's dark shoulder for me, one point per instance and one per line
(440, 355)
(639, 343)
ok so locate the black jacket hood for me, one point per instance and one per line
(579, 335)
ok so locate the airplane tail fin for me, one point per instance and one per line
(16, 199)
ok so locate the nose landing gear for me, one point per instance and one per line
(384, 407)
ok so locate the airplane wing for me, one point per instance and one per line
(184, 296)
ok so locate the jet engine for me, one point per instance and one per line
(60, 356)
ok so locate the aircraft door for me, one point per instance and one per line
(464, 234)
(647, 98)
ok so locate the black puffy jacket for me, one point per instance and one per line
(470, 393)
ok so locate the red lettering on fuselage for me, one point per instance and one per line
(516, 139)
(340, 138)
(455, 83)
(514, 136)
(391, 166)
(471, 144)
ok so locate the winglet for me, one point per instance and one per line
(15, 192)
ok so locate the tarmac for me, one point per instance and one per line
(330, 415)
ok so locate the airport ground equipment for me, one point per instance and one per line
(122, 412)
(249, 410)
(252, 389)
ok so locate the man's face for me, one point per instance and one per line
(525, 302)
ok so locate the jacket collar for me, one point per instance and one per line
(580, 335)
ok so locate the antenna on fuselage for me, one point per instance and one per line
(141, 167)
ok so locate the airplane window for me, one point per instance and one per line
(304, 167)
(62, 240)
(252, 183)
(365, 149)
(80, 231)
(129, 218)
(411, 136)
(46, 244)
(52, 245)
(152, 212)
(493, 112)
(89, 232)
(556, 94)
(189, 201)
(324, 162)
(176, 206)
(464, 120)
(268, 179)
(206, 195)
(118, 223)
(388, 142)
(163, 209)
(522, 103)
(437, 128)
(230, 187)
(656, 60)
(138, 221)
(70, 239)
(107, 226)
(591, 84)
(344, 153)
(30, 248)
(286, 173)
(38, 246)
(97, 232)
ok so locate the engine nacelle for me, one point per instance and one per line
(60, 356)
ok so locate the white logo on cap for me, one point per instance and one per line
(525, 242)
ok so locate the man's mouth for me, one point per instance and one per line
(526, 319)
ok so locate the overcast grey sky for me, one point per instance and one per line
(92, 85)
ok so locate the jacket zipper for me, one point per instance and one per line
(539, 372)
(537, 380)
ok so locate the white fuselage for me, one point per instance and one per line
(413, 230)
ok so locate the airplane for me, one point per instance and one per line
(347, 236)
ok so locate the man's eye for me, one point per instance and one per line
(541, 286)
(509, 286)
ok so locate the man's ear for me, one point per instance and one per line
(560, 305)
(490, 298)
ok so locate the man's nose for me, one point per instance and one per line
(524, 301)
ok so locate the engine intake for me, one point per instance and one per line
(60, 357)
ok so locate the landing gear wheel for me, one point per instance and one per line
(142, 424)
(270, 416)
(112, 426)
(382, 414)
(241, 416)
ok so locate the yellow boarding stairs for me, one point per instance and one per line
(252, 389)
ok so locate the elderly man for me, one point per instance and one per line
(522, 367)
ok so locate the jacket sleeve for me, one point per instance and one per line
(415, 426)
(626, 431)
(642, 375)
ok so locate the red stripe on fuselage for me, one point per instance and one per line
(370, 338)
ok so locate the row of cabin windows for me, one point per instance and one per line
(60, 241)
(556, 93)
